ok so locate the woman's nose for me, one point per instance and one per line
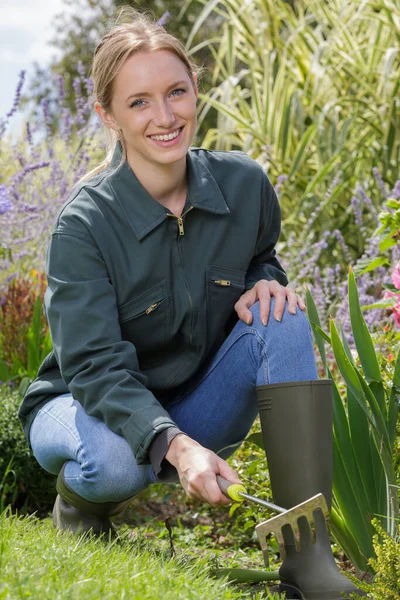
(164, 115)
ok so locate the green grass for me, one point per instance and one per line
(36, 561)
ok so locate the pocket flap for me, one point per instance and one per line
(214, 273)
(141, 303)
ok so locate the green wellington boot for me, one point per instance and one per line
(79, 515)
(296, 422)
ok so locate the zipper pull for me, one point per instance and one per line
(151, 308)
(225, 282)
(180, 225)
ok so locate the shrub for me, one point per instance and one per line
(386, 584)
(26, 486)
(17, 304)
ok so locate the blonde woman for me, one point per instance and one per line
(169, 312)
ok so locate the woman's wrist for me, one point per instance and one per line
(177, 445)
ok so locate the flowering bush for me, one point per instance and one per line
(323, 264)
(38, 172)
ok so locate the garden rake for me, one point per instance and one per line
(287, 517)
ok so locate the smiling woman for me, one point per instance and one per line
(157, 124)
(171, 318)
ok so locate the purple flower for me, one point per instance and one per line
(17, 96)
(5, 202)
(164, 19)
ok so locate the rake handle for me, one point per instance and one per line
(238, 493)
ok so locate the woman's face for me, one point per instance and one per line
(154, 104)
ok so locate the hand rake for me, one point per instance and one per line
(237, 492)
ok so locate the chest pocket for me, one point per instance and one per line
(224, 288)
(145, 321)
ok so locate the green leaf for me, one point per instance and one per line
(383, 303)
(350, 492)
(5, 374)
(257, 439)
(346, 541)
(358, 386)
(387, 242)
(320, 331)
(360, 267)
(362, 337)
(394, 402)
(364, 447)
(349, 506)
(313, 317)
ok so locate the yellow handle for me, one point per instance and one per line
(231, 490)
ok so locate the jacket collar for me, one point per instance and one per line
(143, 212)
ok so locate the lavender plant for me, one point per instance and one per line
(38, 171)
(323, 264)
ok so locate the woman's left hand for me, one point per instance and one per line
(262, 292)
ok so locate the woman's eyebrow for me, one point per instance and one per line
(143, 94)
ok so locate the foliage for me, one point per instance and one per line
(298, 89)
(37, 175)
(24, 333)
(364, 435)
(51, 565)
(25, 485)
(386, 584)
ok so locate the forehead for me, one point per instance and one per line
(146, 71)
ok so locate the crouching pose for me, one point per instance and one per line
(169, 314)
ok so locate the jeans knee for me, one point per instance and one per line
(113, 480)
(293, 328)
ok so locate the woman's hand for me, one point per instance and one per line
(262, 291)
(197, 469)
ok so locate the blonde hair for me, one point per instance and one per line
(138, 32)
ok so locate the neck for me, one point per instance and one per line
(165, 183)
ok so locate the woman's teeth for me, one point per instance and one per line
(166, 138)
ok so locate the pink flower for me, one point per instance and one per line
(396, 313)
(396, 276)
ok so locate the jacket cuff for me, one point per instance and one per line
(157, 451)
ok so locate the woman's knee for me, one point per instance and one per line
(111, 476)
(293, 327)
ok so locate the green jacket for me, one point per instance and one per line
(138, 298)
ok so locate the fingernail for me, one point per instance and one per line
(248, 321)
(264, 321)
(278, 319)
(292, 311)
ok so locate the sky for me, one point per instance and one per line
(25, 27)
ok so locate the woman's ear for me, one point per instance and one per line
(106, 117)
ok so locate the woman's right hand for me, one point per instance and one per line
(197, 469)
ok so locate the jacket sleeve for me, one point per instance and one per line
(100, 369)
(264, 264)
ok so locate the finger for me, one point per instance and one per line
(264, 298)
(215, 496)
(280, 300)
(301, 302)
(242, 306)
(227, 472)
(292, 301)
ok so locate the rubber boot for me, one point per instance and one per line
(296, 422)
(79, 515)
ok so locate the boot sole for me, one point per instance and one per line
(293, 593)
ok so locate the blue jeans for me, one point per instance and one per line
(217, 409)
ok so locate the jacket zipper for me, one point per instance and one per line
(224, 282)
(181, 233)
(180, 220)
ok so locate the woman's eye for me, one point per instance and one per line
(136, 103)
(178, 91)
